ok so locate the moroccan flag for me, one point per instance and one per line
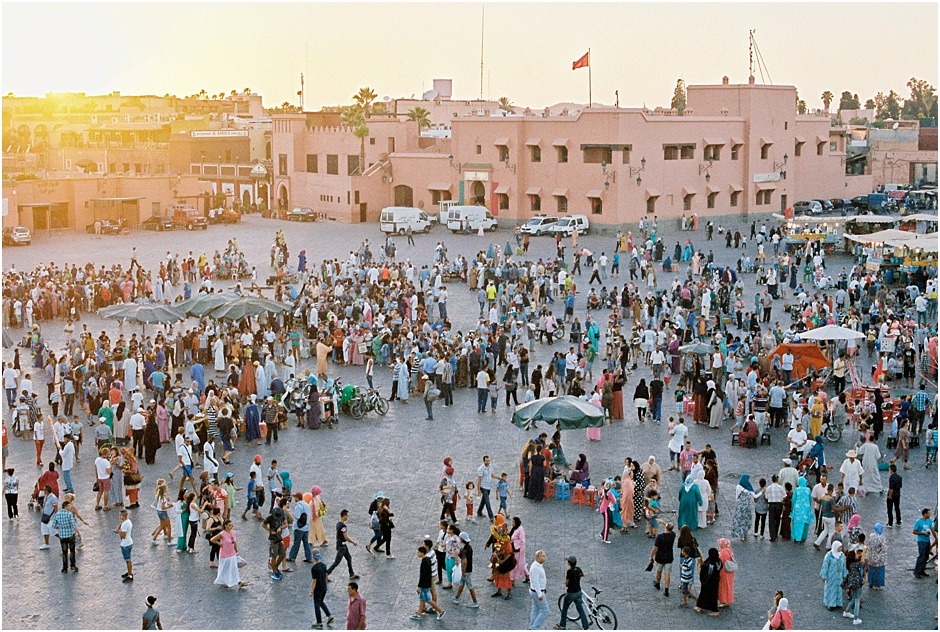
(584, 62)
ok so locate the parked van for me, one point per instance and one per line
(472, 217)
(567, 225)
(539, 225)
(397, 219)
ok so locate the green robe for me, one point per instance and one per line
(689, 502)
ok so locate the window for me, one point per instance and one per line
(820, 149)
(502, 201)
(597, 206)
(785, 124)
(798, 149)
(670, 152)
(626, 155)
(687, 201)
(735, 151)
(562, 153)
(687, 152)
(712, 152)
(352, 164)
(535, 203)
(763, 197)
(535, 153)
(503, 153)
(154, 208)
(138, 168)
(764, 151)
(711, 199)
(372, 140)
(127, 167)
(833, 146)
(479, 149)
(597, 155)
(650, 205)
(282, 164)
(562, 203)
(734, 198)
(332, 164)
(678, 152)
(313, 163)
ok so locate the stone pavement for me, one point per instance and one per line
(401, 455)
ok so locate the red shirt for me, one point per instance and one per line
(356, 613)
(49, 478)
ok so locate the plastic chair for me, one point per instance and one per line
(549, 488)
(590, 497)
(562, 491)
(577, 495)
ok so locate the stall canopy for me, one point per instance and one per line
(806, 356)
(832, 332)
(927, 243)
(883, 236)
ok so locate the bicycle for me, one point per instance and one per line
(598, 614)
(366, 401)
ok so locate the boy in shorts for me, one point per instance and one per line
(686, 573)
(252, 505)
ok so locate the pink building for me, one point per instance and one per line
(735, 149)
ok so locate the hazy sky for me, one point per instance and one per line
(398, 49)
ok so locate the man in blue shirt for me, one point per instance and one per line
(158, 380)
(922, 530)
(64, 521)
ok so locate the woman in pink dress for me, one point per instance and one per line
(725, 578)
(163, 423)
(517, 537)
(627, 489)
(355, 355)
(228, 574)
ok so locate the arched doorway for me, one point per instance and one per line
(479, 193)
(282, 199)
(404, 196)
(23, 137)
(246, 199)
(262, 196)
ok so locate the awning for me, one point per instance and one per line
(650, 193)
(559, 142)
(764, 140)
(501, 141)
(736, 141)
(560, 192)
(115, 199)
(439, 186)
(764, 186)
(688, 191)
(736, 187)
(534, 141)
(822, 139)
(712, 188)
(533, 191)
(41, 204)
(502, 189)
(800, 139)
(714, 141)
(594, 193)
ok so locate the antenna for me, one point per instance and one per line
(482, 24)
(761, 66)
(306, 70)
(301, 93)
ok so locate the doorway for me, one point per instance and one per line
(404, 195)
(282, 198)
(478, 190)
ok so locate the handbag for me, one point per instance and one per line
(94, 487)
(46, 518)
(731, 566)
(132, 478)
(649, 567)
(241, 562)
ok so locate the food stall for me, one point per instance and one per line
(898, 253)
(864, 225)
(921, 223)
(802, 229)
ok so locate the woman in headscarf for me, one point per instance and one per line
(743, 508)
(715, 403)
(606, 508)
(639, 493)
(536, 490)
(247, 385)
(116, 493)
(130, 467)
(151, 440)
(616, 410)
(641, 396)
(317, 533)
(832, 573)
(709, 576)
(524, 457)
(178, 419)
(163, 423)
(705, 489)
(725, 577)
(517, 537)
(652, 473)
(581, 471)
(801, 513)
(503, 560)
(313, 407)
(817, 454)
(782, 618)
(747, 436)
(877, 557)
(854, 529)
(627, 487)
(690, 499)
(253, 420)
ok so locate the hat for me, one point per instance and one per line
(787, 462)
(229, 475)
(572, 559)
(252, 397)
(316, 554)
(153, 401)
(465, 536)
(851, 454)
(140, 409)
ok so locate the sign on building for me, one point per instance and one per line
(219, 133)
(767, 177)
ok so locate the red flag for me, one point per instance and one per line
(584, 62)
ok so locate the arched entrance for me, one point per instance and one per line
(479, 193)
(246, 199)
(282, 199)
(262, 196)
(404, 196)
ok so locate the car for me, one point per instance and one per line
(827, 206)
(108, 227)
(538, 225)
(860, 202)
(301, 214)
(843, 206)
(224, 216)
(810, 207)
(157, 222)
(189, 218)
(16, 236)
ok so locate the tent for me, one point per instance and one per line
(806, 355)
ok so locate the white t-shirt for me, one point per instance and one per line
(126, 527)
(797, 438)
(68, 456)
(9, 377)
(658, 357)
(38, 431)
(101, 467)
(679, 434)
(482, 379)
(137, 421)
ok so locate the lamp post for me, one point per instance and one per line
(634, 171)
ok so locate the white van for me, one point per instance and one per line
(539, 225)
(462, 217)
(567, 225)
(397, 219)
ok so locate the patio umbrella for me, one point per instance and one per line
(247, 306)
(569, 412)
(143, 313)
(832, 332)
(699, 348)
(202, 304)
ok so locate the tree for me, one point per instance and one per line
(887, 106)
(827, 99)
(870, 104)
(354, 117)
(801, 107)
(421, 116)
(847, 101)
(364, 99)
(505, 105)
(285, 108)
(923, 101)
(678, 97)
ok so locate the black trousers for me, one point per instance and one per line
(342, 552)
(139, 442)
(272, 431)
(13, 508)
(776, 512)
(894, 503)
(68, 552)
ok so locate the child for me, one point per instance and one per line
(680, 396)
(469, 496)
(494, 394)
(502, 488)
(686, 573)
(652, 513)
(931, 444)
(252, 498)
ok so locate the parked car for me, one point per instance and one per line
(224, 216)
(189, 218)
(808, 207)
(108, 227)
(470, 218)
(17, 236)
(567, 225)
(539, 225)
(157, 222)
(860, 202)
(843, 206)
(827, 206)
(301, 214)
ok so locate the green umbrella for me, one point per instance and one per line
(236, 309)
(143, 313)
(699, 348)
(569, 412)
(202, 304)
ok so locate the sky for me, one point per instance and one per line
(397, 49)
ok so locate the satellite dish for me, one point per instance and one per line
(386, 99)
(895, 126)
(430, 95)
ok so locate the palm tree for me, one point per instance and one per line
(364, 100)
(504, 104)
(801, 107)
(247, 90)
(421, 116)
(361, 132)
(827, 99)
(353, 117)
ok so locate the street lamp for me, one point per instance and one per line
(609, 176)
(634, 171)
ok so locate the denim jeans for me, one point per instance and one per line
(300, 537)
(574, 598)
(539, 611)
(855, 599)
(485, 502)
(482, 395)
(67, 477)
(923, 552)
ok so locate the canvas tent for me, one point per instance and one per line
(806, 355)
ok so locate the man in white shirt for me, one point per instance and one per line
(796, 439)
(657, 359)
(851, 470)
(571, 363)
(127, 543)
(137, 423)
(786, 364)
(10, 377)
(537, 584)
(103, 476)
(26, 384)
(788, 474)
(67, 452)
(678, 434)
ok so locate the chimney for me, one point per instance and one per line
(750, 79)
(724, 80)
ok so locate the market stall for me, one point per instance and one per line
(799, 230)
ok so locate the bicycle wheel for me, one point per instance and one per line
(357, 409)
(572, 610)
(605, 618)
(381, 405)
(833, 432)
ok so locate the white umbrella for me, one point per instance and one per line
(832, 332)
